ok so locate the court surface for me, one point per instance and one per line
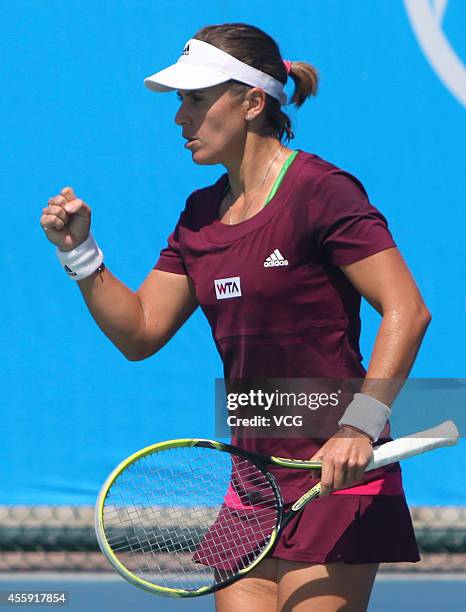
(109, 593)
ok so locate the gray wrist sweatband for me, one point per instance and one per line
(367, 414)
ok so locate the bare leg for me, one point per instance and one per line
(304, 587)
(256, 592)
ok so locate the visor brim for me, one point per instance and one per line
(185, 76)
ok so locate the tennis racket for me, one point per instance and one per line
(188, 517)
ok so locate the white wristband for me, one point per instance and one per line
(83, 260)
(367, 414)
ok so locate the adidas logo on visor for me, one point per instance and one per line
(275, 259)
(186, 50)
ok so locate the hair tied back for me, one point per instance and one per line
(287, 66)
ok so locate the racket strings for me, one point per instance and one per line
(185, 518)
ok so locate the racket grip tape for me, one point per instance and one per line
(445, 434)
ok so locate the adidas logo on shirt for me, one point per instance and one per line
(275, 259)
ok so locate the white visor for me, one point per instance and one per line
(203, 65)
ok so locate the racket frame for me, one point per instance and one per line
(259, 462)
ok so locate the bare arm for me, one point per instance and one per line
(386, 283)
(139, 323)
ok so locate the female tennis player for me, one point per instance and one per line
(277, 253)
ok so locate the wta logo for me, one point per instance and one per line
(227, 287)
(427, 18)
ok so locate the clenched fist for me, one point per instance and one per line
(66, 220)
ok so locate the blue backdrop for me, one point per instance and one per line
(391, 110)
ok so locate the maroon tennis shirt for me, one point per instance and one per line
(278, 304)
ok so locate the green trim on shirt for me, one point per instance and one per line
(279, 178)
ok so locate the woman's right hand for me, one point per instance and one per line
(66, 220)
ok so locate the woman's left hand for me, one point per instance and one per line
(344, 458)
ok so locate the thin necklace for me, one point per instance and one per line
(255, 197)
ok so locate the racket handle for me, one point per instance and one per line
(445, 434)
